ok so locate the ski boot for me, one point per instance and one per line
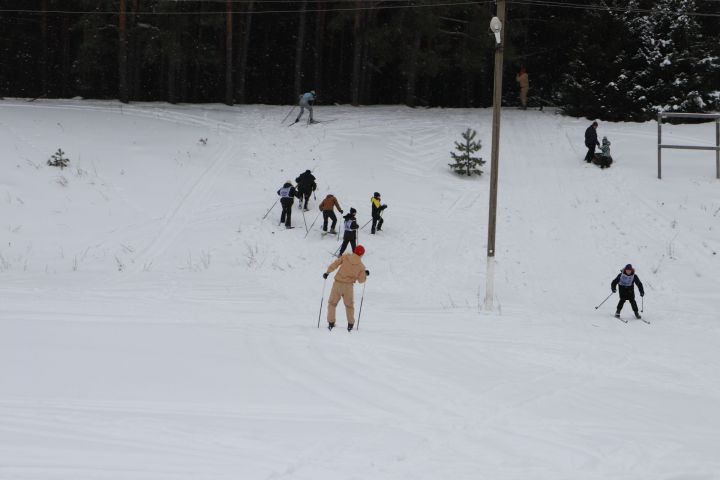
(350, 327)
(637, 315)
(331, 326)
(617, 314)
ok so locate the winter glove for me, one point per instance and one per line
(642, 294)
(325, 275)
(613, 290)
(367, 272)
(384, 207)
(341, 212)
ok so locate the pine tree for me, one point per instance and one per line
(58, 159)
(465, 163)
(673, 64)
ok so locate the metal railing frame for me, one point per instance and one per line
(696, 116)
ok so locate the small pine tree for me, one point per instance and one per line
(465, 163)
(58, 159)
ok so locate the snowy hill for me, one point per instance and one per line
(153, 325)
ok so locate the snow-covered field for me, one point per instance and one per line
(153, 326)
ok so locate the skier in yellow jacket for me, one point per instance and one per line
(351, 270)
(377, 209)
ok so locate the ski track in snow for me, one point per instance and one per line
(153, 326)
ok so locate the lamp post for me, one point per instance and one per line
(496, 26)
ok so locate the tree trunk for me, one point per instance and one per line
(134, 60)
(318, 53)
(411, 86)
(229, 52)
(45, 56)
(243, 53)
(365, 72)
(122, 53)
(357, 55)
(299, 49)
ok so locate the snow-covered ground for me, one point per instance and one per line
(154, 326)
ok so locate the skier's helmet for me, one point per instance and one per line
(352, 211)
(359, 251)
(376, 194)
(628, 267)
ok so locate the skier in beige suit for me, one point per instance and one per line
(351, 270)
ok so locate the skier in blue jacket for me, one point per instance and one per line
(306, 101)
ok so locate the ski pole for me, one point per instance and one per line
(305, 221)
(362, 297)
(606, 299)
(312, 224)
(288, 114)
(321, 301)
(268, 212)
(642, 303)
(366, 224)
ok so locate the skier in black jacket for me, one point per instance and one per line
(350, 235)
(305, 186)
(591, 140)
(287, 192)
(627, 281)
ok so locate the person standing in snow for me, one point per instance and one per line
(351, 270)
(305, 186)
(287, 193)
(306, 101)
(350, 234)
(377, 209)
(522, 79)
(627, 280)
(327, 207)
(591, 141)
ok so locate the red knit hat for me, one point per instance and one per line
(359, 250)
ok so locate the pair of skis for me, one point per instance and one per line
(626, 321)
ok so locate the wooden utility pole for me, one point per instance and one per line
(122, 53)
(229, 91)
(495, 153)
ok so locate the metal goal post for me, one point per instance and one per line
(695, 116)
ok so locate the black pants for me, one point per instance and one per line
(351, 238)
(302, 194)
(329, 214)
(591, 153)
(376, 224)
(629, 299)
(287, 204)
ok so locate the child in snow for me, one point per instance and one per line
(351, 228)
(327, 207)
(377, 209)
(306, 101)
(604, 159)
(287, 193)
(627, 281)
(351, 270)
